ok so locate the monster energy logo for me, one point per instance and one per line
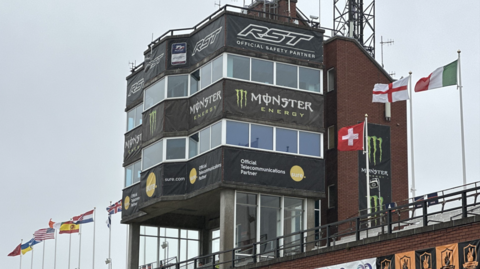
(241, 98)
(153, 121)
(377, 204)
(374, 151)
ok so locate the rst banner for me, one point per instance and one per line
(131, 200)
(273, 169)
(270, 104)
(154, 63)
(379, 169)
(360, 264)
(133, 145)
(296, 42)
(135, 83)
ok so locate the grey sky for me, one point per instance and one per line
(63, 69)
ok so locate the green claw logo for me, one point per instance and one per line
(241, 98)
(153, 121)
(370, 152)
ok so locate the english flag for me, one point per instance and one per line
(389, 93)
(351, 138)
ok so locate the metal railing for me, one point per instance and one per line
(464, 203)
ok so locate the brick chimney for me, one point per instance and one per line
(275, 7)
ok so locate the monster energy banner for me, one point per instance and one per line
(380, 169)
(135, 84)
(131, 199)
(152, 123)
(133, 145)
(174, 179)
(204, 170)
(206, 106)
(266, 37)
(425, 259)
(273, 169)
(176, 115)
(154, 61)
(386, 262)
(150, 183)
(468, 254)
(280, 106)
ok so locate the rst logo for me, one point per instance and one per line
(205, 42)
(137, 86)
(273, 35)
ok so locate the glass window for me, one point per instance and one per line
(238, 67)
(193, 145)
(261, 137)
(138, 115)
(137, 169)
(286, 140)
(286, 75)
(217, 69)
(309, 143)
(330, 80)
(270, 221)
(309, 79)
(177, 86)
(293, 222)
(206, 74)
(237, 133)
(134, 117)
(331, 137)
(246, 221)
(176, 148)
(152, 155)
(216, 135)
(129, 175)
(262, 71)
(154, 94)
(194, 82)
(204, 140)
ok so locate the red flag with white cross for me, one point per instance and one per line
(351, 138)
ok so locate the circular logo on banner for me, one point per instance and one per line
(297, 174)
(126, 203)
(151, 184)
(193, 175)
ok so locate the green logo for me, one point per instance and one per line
(373, 153)
(241, 98)
(153, 121)
(377, 205)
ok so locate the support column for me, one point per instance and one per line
(133, 246)
(227, 225)
(310, 211)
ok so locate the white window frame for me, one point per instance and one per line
(135, 109)
(331, 70)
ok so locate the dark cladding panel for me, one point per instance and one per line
(152, 123)
(204, 170)
(150, 183)
(206, 106)
(273, 38)
(133, 145)
(135, 84)
(131, 200)
(273, 169)
(176, 113)
(174, 180)
(275, 105)
(155, 61)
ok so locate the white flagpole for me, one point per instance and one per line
(367, 166)
(21, 241)
(94, 217)
(69, 249)
(110, 240)
(411, 135)
(79, 245)
(55, 255)
(43, 258)
(31, 265)
(459, 87)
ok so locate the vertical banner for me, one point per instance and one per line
(204, 170)
(380, 169)
(133, 145)
(206, 106)
(425, 259)
(176, 114)
(206, 41)
(174, 179)
(468, 252)
(131, 200)
(361, 264)
(154, 61)
(179, 53)
(386, 262)
(135, 84)
(150, 183)
(447, 256)
(152, 123)
(405, 260)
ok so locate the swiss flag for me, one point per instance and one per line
(351, 138)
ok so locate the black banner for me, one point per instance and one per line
(135, 83)
(152, 123)
(265, 37)
(150, 183)
(468, 253)
(425, 259)
(273, 169)
(206, 106)
(131, 199)
(154, 61)
(275, 105)
(206, 41)
(133, 145)
(176, 112)
(380, 169)
(204, 170)
(174, 179)
(386, 262)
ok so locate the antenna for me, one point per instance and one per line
(219, 3)
(389, 42)
(133, 64)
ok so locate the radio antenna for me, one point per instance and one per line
(219, 4)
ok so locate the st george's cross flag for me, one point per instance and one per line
(84, 218)
(389, 93)
(351, 137)
(441, 77)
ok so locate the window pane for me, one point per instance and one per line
(154, 94)
(183, 250)
(293, 221)
(206, 74)
(309, 79)
(246, 198)
(261, 137)
(177, 86)
(238, 67)
(151, 230)
(193, 146)
(204, 140)
(183, 233)
(192, 249)
(287, 75)
(171, 232)
(216, 234)
(270, 225)
(192, 234)
(194, 82)
(310, 144)
(151, 245)
(131, 119)
(217, 69)
(172, 250)
(237, 133)
(246, 226)
(216, 135)
(286, 140)
(262, 71)
(129, 175)
(176, 148)
(330, 80)
(137, 169)
(152, 155)
(138, 115)
(142, 250)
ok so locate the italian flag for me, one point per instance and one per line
(441, 77)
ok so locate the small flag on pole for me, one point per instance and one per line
(441, 77)
(115, 208)
(54, 225)
(84, 218)
(389, 93)
(28, 246)
(44, 234)
(109, 220)
(351, 138)
(69, 228)
(16, 251)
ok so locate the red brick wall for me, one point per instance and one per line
(356, 74)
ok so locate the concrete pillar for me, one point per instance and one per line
(227, 225)
(133, 246)
(310, 223)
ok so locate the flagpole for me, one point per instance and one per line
(43, 258)
(69, 249)
(367, 167)
(411, 135)
(94, 217)
(55, 255)
(79, 244)
(110, 240)
(459, 87)
(21, 241)
(31, 264)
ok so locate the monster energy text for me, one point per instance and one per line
(203, 105)
(153, 121)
